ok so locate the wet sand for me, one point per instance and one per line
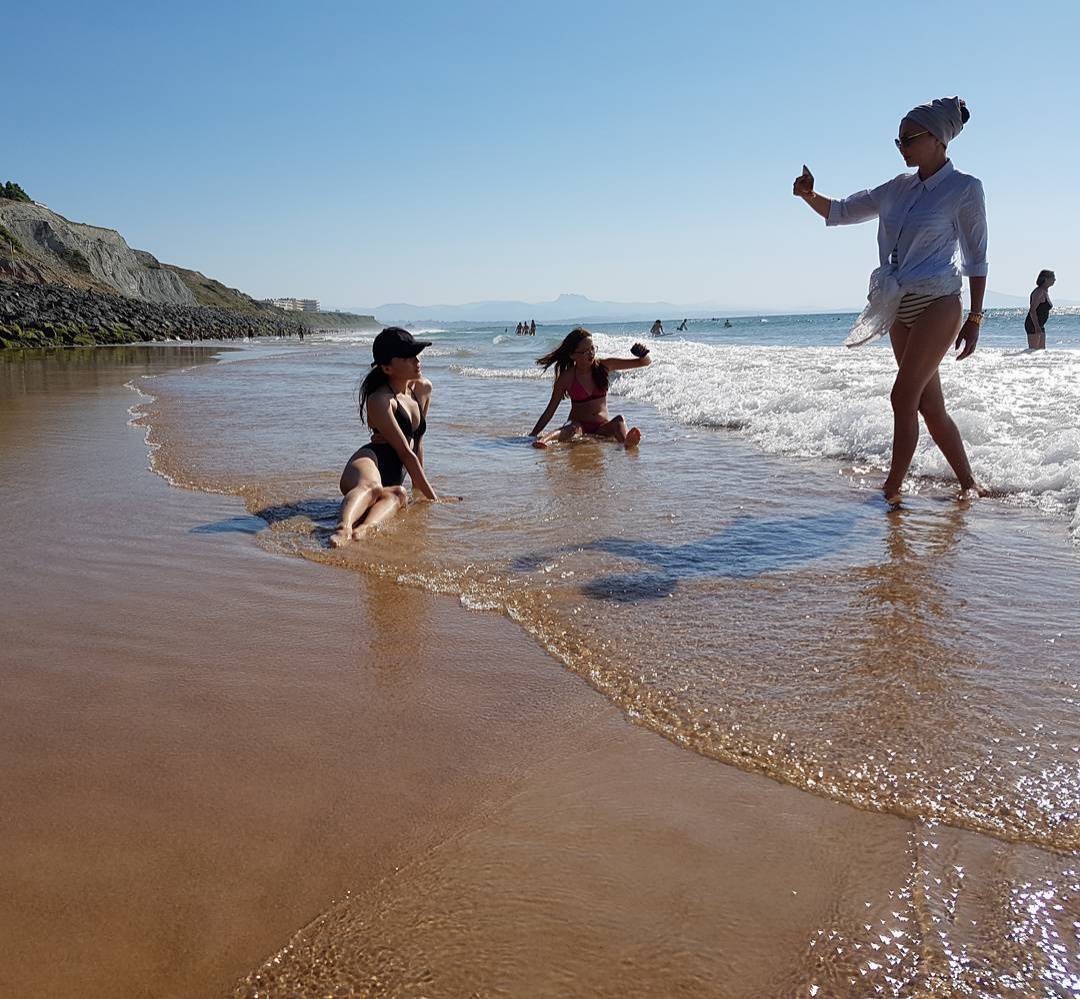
(226, 771)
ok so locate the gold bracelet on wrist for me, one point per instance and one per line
(976, 318)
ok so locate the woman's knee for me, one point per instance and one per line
(933, 411)
(903, 400)
(394, 492)
(353, 490)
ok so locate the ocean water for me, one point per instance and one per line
(735, 584)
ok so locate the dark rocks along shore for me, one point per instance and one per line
(48, 315)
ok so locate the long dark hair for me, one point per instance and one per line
(374, 380)
(562, 360)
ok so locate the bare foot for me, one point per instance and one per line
(361, 532)
(892, 495)
(969, 493)
(342, 536)
(633, 438)
(542, 445)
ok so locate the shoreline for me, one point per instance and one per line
(229, 770)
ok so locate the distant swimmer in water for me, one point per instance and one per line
(396, 398)
(583, 377)
(727, 324)
(1039, 311)
(681, 327)
(532, 327)
(657, 329)
(915, 292)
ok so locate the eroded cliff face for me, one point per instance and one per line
(85, 256)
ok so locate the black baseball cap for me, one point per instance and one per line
(395, 342)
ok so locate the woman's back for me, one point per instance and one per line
(1042, 312)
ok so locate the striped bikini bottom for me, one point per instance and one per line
(913, 306)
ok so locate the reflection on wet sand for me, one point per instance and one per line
(764, 615)
(836, 647)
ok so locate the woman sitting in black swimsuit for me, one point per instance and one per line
(396, 398)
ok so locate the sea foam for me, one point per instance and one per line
(1017, 412)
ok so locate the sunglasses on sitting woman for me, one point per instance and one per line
(906, 140)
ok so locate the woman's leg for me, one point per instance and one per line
(617, 428)
(388, 500)
(360, 485)
(566, 432)
(945, 433)
(919, 350)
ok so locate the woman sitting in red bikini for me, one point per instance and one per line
(581, 376)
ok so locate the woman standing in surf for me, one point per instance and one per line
(583, 377)
(915, 292)
(1039, 311)
(396, 398)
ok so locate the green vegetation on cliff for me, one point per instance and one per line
(9, 242)
(207, 291)
(12, 191)
(331, 320)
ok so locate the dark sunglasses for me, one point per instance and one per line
(906, 140)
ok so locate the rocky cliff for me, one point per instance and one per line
(86, 256)
(68, 283)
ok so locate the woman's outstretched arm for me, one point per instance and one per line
(804, 188)
(421, 391)
(381, 418)
(622, 363)
(859, 207)
(558, 390)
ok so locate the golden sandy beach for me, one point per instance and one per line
(226, 772)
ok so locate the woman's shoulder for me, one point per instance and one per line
(900, 180)
(966, 181)
(963, 173)
(383, 394)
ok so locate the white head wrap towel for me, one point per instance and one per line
(942, 118)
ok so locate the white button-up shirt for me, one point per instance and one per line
(923, 221)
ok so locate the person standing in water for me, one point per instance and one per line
(1039, 311)
(681, 327)
(583, 377)
(396, 398)
(532, 327)
(915, 292)
(657, 329)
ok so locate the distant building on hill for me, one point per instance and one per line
(294, 304)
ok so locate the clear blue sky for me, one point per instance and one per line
(438, 152)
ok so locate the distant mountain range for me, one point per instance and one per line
(580, 308)
(565, 308)
(996, 300)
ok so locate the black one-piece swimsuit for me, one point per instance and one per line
(1042, 310)
(391, 470)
